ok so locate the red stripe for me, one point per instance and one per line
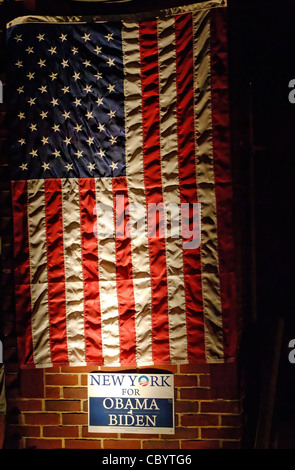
(89, 249)
(223, 176)
(55, 271)
(22, 273)
(153, 185)
(125, 292)
(187, 181)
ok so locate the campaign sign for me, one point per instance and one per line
(131, 403)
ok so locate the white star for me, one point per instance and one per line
(111, 88)
(99, 101)
(45, 166)
(33, 127)
(18, 37)
(78, 127)
(40, 37)
(90, 140)
(34, 153)
(24, 166)
(66, 114)
(87, 88)
(67, 140)
(43, 89)
(87, 63)
(97, 50)
(77, 102)
(89, 114)
(79, 153)
(111, 62)
(52, 50)
(41, 63)
(69, 166)
(65, 89)
(76, 76)
(20, 90)
(56, 153)
(101, 153)
(53, 76)
(74, 50)
(111, 114)
(31, 101)
(55, 127)
(54, 101)
(100, 127)
(30, 50)
(21, 116)
(22, 141)
(64, 63)
(113, 140)
(43, 114)
(86, 37)
(19, 64)
(44, 140)
(31, 75)
(63, 37)
(91, 166)
(109, 36)
(114, 165)
(98, 75)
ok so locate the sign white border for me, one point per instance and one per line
(128, 402)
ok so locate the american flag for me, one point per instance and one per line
(129, 111)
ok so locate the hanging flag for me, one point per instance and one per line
(121, 188)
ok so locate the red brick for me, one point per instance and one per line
(220, 406)
(42, 418)
(24, 431)
(186, 407)
(160, 444)
(199, 420)
(122, 444)
(74, 418)
(185, 381)
(60, 431)
(186, 433)
(63, 405)
(32, 383)
(220, 433)
(75, 392)
(231, 420)
(79, 370)
(43, 443)
(200, 444)
(86, 433)
(30, 405)
(82, 444)
(204, 380)
(195, 368)
(52, 392)
(195, 394)
(61, 379)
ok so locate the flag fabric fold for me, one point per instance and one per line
(122, 188)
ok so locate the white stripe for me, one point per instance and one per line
(73, 271)
(170, 185)
(136, 193)
(107, 272)
(206, 190)
(38, 272)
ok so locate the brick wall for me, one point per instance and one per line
(48, 408)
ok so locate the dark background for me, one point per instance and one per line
(261, 65)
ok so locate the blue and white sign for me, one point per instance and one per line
(131, 403)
